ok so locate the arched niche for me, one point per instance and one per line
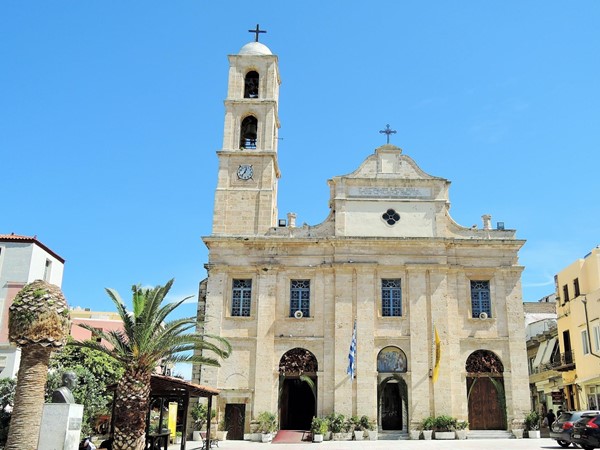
(391, 359)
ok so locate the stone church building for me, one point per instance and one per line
(436, 306)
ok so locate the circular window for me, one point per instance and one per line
(391, 217)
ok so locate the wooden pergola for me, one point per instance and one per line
(164, 388)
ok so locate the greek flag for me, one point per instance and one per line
(352, 355)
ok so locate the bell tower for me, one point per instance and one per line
(246, 194)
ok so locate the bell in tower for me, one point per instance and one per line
(248, 133)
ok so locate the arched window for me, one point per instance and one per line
(391, 359)
(298, 361)
(251, 85)
(248, 132)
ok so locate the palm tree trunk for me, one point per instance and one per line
(131, 408)
(29, 398)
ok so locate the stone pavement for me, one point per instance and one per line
(469, 444)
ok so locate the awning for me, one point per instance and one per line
(540, 353)
(549, 351)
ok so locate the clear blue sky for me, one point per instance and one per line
(111, 113)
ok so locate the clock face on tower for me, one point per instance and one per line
(245, 172)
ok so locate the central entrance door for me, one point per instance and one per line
(297, 405)
(391, 407)
(297, 389)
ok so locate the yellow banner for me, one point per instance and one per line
(438, 354)
(172, 419)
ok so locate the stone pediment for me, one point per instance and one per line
(389, 162)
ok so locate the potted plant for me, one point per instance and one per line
(267, 425)
(532, 425)
(319, 428)
(462, 429)
(178, 437)
(369, 426)
(357, 428)
(427, 426)
(339, 427)
(444, 427)
(222, 430)
(199, 413)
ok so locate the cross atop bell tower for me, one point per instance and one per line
(246, 195)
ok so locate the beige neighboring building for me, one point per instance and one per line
(543, 354)
(578, 308)
(388, 257)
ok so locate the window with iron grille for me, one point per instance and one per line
(300, 297)
(480, 298)
(391, 298)
(241, 299)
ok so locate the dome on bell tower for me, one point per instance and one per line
(255, 48)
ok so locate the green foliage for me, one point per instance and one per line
(360, 423)
(319, 425)
(444, 423)
(462, 424)
(149, 338)
(199, 413)
(267, 422)
(338, 423)
(428, 423)
(7, 398)
(532, 421)
(95, 371)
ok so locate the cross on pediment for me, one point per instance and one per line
(387, 132)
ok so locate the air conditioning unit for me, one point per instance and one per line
(483, 315)
(298, 314)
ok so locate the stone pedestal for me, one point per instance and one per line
(61, 426)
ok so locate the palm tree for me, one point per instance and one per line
(38, 322)
(145, 341)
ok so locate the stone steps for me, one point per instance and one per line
(391, 435)
(489, 434)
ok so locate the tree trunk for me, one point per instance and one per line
(131, 409)
(29, 398)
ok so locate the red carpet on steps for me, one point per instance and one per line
(291, 437)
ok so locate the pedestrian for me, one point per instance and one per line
(550, 417)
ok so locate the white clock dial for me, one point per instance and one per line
(245, 172)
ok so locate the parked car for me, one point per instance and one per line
(586, 432)
(562, 429)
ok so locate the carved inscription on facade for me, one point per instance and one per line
(389, 192)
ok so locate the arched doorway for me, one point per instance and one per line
(392, 391)
(485, 391)
(297, 389)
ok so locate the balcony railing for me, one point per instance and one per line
(565, 362)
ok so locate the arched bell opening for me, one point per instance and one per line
(248, 132)
(251, 84)
(392, 390)
(297, 389)
(485, 391)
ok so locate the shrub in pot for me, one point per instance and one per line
(444, 427)
(532, 424)
(339, 426)
(427, 426)
(461, 429)
(319, 428)
(267, 425)
(199, 413)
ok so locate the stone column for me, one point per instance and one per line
(415, 288)
(344, 321)
(265, 382)
(366, 367)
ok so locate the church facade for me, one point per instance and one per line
(434, 308)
